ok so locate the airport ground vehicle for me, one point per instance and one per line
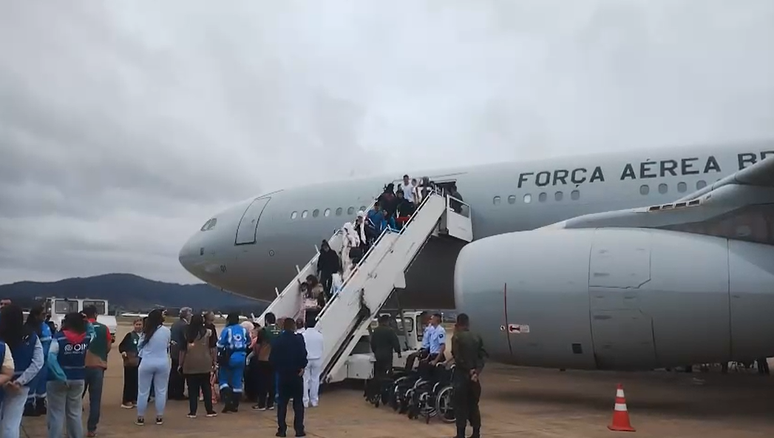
(59, 307)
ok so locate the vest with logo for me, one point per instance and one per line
(22, 355)
(72, 356)
(236, 342)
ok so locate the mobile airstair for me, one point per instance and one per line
(346, 317)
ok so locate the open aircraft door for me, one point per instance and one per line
(248, 225)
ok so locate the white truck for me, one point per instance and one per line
(360, 364)
(59, 307)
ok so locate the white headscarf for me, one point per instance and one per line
(351, 234)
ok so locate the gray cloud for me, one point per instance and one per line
(124, 125)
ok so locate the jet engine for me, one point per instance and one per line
(617, 298)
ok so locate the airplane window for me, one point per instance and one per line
(496, 200)
(362, 208)
(351, 211)
(701, 184)
(210, 224)
(527, 198)
(294, 215)
(304, 214)
(542, 197)
(558, 196)
(339, 211)
(662, 188)
(315, 213)
(644, 189)
(327, 212)
(512, 199)
(682, 187)
(575, 195)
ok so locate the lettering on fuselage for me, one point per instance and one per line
(686, 166)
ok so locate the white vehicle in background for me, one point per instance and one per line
(59, 307)
(360, 363)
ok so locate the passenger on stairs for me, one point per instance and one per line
(456, 197)
(338, 282)
(417, 192)
(387, 199)
(404, 209)
(372, 221)
(327, 263)
(360, 230)
(350, 251)
(408, 188)
(388, 221)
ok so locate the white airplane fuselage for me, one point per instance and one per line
(254, 246)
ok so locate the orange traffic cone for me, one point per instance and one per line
(620, 421)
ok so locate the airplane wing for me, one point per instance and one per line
(760, 174)
(734, 207)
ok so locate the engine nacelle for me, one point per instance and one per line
(618, 298)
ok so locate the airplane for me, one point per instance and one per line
(632, 260)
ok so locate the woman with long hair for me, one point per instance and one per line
(36, 400)
(66, 377)
(154, 365)
(129, 354)
(197, 360)
(28, 360)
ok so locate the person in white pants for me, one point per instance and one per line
(314, 351)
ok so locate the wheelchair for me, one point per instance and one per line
(430, 397)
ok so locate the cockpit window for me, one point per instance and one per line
(210, 224)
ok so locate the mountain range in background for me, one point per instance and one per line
(129, 292)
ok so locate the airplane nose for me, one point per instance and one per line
(187, 256)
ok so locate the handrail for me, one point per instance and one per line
(355, 269)
(345, 282)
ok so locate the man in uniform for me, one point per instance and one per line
(383, 342)
(468, 354)
(424, 319)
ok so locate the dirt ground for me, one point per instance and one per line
(516, 402)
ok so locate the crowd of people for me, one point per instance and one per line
(49, 372)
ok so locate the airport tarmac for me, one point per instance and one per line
(516, 402)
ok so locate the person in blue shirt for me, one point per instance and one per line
(437, 341)
(28, 360)
(36, 400)
(233, 346)
(424, 319)
(66, 376)
(289, 359)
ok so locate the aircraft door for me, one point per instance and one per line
(622, 332)
(248, 225)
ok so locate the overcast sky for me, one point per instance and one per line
(125, 125)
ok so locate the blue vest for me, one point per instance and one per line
(236, 342)
(22, 355)
(45, 339)
(72, 356)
